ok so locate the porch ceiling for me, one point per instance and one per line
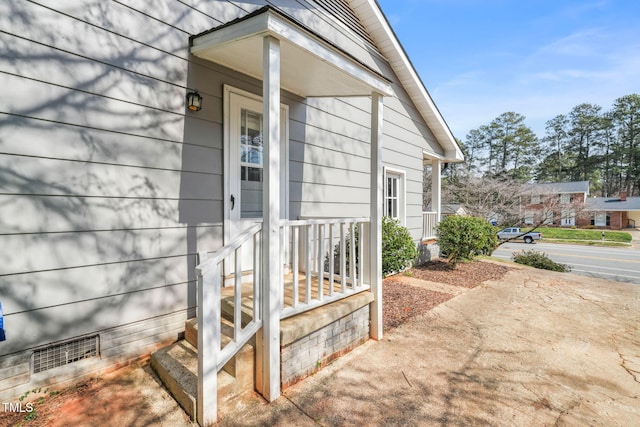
(310, 66)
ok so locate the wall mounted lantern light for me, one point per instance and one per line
(194, 101)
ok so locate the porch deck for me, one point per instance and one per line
(331, 291)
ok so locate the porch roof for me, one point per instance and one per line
(310, 65)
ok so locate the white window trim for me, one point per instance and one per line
(402, 194)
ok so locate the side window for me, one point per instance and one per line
(394, 194)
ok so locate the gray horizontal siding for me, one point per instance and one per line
(54, 177)
(86, 317)
(47, 251)
(107, 188)
(27, 214)
(37, 138)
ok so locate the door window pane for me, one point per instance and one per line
(251, 148)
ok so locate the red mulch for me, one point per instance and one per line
(466, 274)
(401, 301)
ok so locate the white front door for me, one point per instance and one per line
(568, 218)
(243, 168)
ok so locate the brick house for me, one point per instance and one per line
(557, 203)
(614, 212)
(567, 204)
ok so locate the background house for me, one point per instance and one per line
(613, 212)
(555, 203)
(568, 204)
(453, 209)
(113, 190)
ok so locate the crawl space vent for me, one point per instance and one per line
(64, 353)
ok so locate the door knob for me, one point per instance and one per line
(233, 202)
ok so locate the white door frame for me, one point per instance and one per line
(233, 100)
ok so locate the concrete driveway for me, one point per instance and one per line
(535, 348)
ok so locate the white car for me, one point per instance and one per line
(514, 233)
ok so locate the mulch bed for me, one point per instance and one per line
(401, 301)
(466, 274)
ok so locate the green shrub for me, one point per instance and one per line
(399, 251)
(398, 248)
(539, 260)
(465, 237)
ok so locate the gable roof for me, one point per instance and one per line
(612, 204)
(386, 40)
(561, 187)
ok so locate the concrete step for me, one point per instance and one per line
(238, 366)
(177, 368)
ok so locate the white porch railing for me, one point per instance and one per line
(321, 263)
(429, 222)
(323, 260)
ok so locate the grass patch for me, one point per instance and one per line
(589, 243)
(570, 234)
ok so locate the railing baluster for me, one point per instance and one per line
(307, 297)
(295, 253)
(256, 278)
(352, 253)
(343, 258)
(360, 255)
(320, 261)
(330, 258)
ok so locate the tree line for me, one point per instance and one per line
(587, 143)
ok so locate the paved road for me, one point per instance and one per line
(621, 264)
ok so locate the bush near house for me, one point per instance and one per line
(398, 248)
(464, 237)
(539, 260)
(399, 251)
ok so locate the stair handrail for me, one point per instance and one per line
(211, 357)
(227, 250)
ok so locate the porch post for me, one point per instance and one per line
(271, 279)
(436, 185)
(375, 228)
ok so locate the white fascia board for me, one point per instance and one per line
(283, 29)
(250, 27)
(387, 42)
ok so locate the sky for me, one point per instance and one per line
(539, 58)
